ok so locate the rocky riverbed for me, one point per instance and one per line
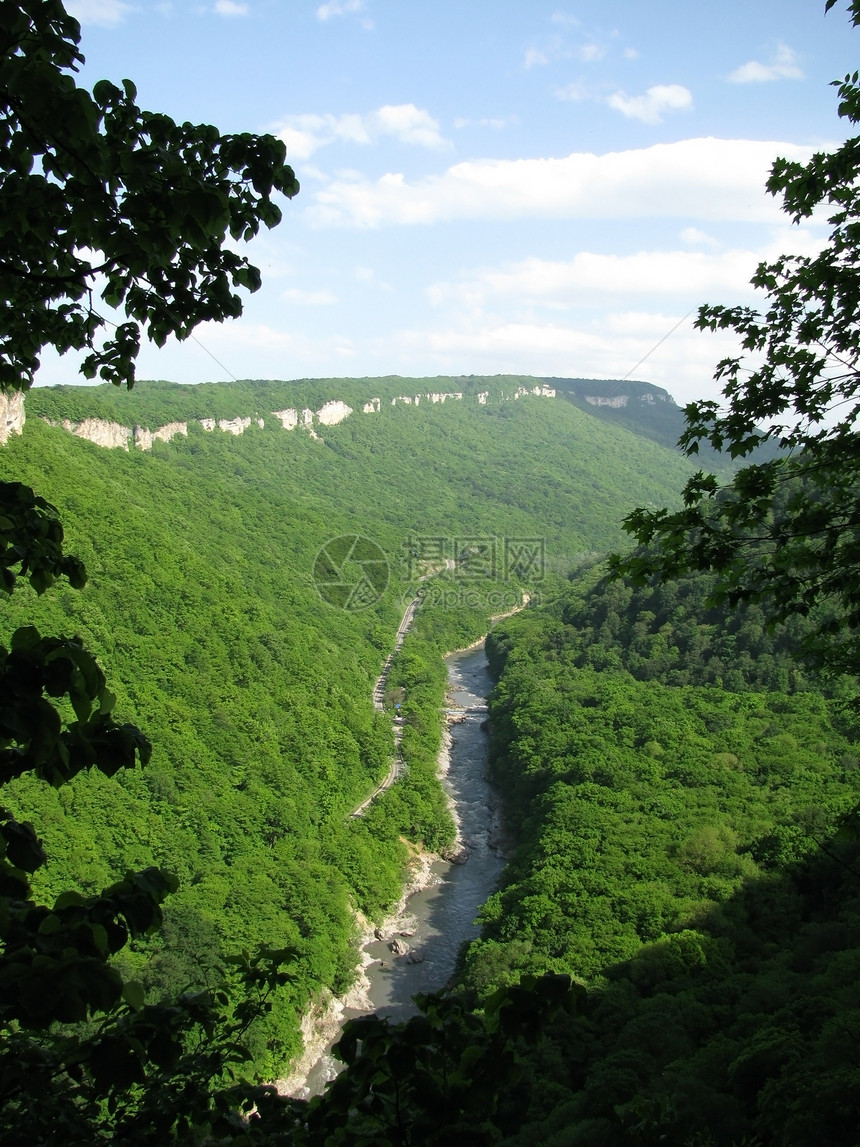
(415, 948)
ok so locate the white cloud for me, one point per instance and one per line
(587, 316)
(697, 238)
(783, 66)
(107, 13)
(230, 8)
(368, 276)
(649, 108)
(305, 134)
(308, 298)
(535, 58)
(339, 8)
(698, 179)
(495, 122)
(409, 124)
(575, 91)
(608, 347)
(557, 47)
(693, 274)
(564, 19)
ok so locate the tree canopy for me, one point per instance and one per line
(115, 223)
(107, 208)
(785, 532)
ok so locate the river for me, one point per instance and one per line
(441, 917)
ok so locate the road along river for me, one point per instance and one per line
(434, 921)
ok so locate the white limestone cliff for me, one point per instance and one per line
(289, 418)
(143, 438)
(11, 415)
(537, 391)
(333, 413)
(234, 426)
(440, 398)
(110, 435)
(615, 401)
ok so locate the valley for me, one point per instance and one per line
(256, 692)
(672, 779)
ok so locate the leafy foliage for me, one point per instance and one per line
(100, 197)
(447, 1073)
(31, 538)
(689, 853)
(785, 532)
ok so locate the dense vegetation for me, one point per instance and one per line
(673, 954)
(257, 694)
(679, 853)
(687, 859)
(672, 771)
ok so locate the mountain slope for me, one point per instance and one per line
(256, 692)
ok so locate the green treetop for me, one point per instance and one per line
(785, 531)
(108, 207)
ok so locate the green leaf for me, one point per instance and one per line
(134, 995)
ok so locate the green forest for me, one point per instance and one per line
(676, 781)
(193, 633)
(255, 692)
(683, 854)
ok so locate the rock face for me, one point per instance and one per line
(143, 438)
(108, 434)
(617, 401)
(538, 391)
(333, 413)
(289, 418)
(234, 425)
(11, 415)
(455, 855)
(112, 435)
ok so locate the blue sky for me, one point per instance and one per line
(491, 186)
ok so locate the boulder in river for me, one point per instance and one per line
(415, 958)
(398, 947)
(456, 855)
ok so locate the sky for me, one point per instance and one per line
(492, 186)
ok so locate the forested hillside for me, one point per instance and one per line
(674, 952)
(677, 785)
(256, 693)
